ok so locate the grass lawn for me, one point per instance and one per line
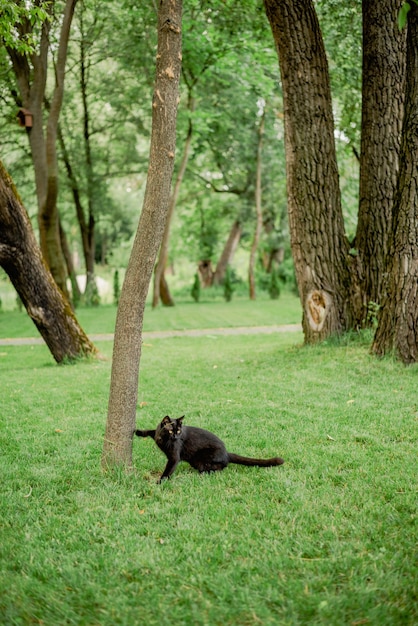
(185, 315)
(328, 538)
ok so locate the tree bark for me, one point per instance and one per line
(398, 321)
(382, 114)
(22, 260)
(117, 448)
(258, 211)
(319, 246)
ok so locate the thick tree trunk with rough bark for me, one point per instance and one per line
(22, 260)
(117, 448)
(382, 114)
(320, 248)
(398, 321)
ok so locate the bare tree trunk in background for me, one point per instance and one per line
(258, 210)
(228, 252)
(398, 320)
(117, 448)
(76, 294)
(88, 227)
(382, 113)
(161, 289)
(21, 258)
(319, 246)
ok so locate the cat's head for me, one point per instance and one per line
(172, 428)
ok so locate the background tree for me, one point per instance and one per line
(258, 207)
(382, 115)
(117, 448)
(100, 127)
(319, 245)
(31, 71)
(398, 320)
(22, 260)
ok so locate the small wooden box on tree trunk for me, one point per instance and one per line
(25, 118)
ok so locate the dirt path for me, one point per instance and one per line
(164, 334)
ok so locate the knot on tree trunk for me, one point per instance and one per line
(317, 307)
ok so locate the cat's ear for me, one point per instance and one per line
(180, 419)
(166, 420)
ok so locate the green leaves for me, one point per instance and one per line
(403, 13)
(12, 16)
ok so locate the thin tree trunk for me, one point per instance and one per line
(161, 289)
(398, 321)
(21, 258)
(86, 228)
(117, 448)
(258, 210)
(319, 246)
(91, 186)
(76, 294)
(382, 114)
(48, 213)
(228, 252)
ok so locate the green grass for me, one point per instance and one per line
(328, 538)
(185, 315)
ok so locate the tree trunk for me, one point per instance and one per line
(258, 210)
(382, 114)
(318, 241)
(398, 321)
(87, 228)
(161, 289)
(22, 260)
(227, 253)
(117, 448)
(76, 294)
(205, 272)
(89, 224)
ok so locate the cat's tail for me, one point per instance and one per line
(145, 433)
(245, 460)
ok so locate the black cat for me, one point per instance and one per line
(201, 448)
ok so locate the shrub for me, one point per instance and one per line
(274, 286)
(228, 287)
(195, 292)
(116, 287)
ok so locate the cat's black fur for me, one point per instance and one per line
(201, 448)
